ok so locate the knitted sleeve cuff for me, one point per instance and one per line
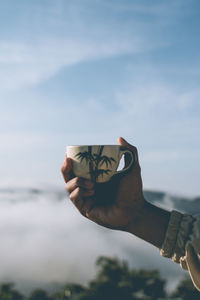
(171, 234)
(183, 236)
(178, 232)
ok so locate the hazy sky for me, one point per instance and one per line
(88, 71)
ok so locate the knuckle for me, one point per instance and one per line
(68, 187)
(62, 169)
(78, 190)
(82, 212)
(77, 181)
(71, 197)
(74, 196)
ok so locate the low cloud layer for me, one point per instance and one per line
(45, 240)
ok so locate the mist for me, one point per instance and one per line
(46, 242)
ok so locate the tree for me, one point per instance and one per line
(39, 294)
(186, 290)
(69, 292)
(7, 292)
(114, 280)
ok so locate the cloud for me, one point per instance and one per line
(45, 240)
(24, 64)
(160, 104)
(158, 96)
(75, 33)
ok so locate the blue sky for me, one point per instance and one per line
(86, 72)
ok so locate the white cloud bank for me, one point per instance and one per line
(46, 241)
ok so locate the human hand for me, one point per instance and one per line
(116, 204)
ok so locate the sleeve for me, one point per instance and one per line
(182, 243)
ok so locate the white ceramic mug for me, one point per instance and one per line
(98, 163)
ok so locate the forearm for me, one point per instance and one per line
(151, 224)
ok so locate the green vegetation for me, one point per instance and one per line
(114, 280)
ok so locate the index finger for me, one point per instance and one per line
(66, 169)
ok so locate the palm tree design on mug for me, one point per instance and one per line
(95, 161)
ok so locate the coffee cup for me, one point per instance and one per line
(98, 163)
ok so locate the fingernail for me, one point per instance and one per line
(124, 140)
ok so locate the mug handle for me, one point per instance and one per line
(132, 162)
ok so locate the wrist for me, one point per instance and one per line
(150, 224)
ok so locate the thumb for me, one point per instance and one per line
(123, 143)
(66, 169)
